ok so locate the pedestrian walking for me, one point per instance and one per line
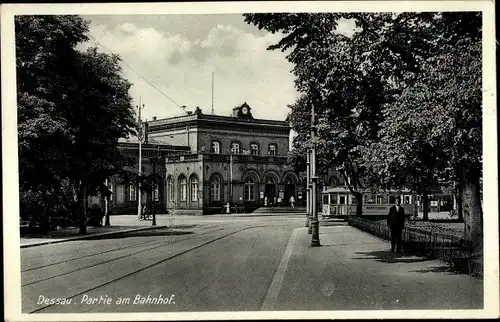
(292, 201)
(279, 201)
(275, 201)
(396, 223)
(265, 201)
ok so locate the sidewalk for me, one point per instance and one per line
(353, 270)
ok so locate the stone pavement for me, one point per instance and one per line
(71, 233)
(127, 223)
(353, 270)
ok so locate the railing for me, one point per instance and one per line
(183, 157)
(214, 157)
(456, 251)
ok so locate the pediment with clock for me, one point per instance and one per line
(243, 112)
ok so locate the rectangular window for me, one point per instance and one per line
(334, 199)
(407, 199)
(254, 149)
(183, 191)
(235, 148)
(392, 199)
(132, 193)
(379, 200)
(215, 189)
(272, 149)
(249, 192)
(170, 189)
(215, 147)
(194, 191)
(342, 200)
(325, 199)
(120, 193)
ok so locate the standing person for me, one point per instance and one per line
(265, 201)
(292, 201)
(396, 222)
(275, 201)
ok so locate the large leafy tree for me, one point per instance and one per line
(73, 107)
(398, 101)
(348, 78)
(443, 108)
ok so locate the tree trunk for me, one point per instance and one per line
(359, 204)
(459, 202)
(425, 201)
(473, 215)
(83, 213)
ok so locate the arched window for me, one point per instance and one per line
(250, 189)
(254, 149)
(194, 188)
(182, 188)
(215, 188)
(235, 148)
(170, 189)
(216, 147)
(273, 149)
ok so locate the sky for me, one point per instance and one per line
(178, 54)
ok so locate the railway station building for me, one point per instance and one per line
(206, 161)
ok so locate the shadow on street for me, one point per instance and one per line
(440, 269)
(391, 257)
(142, 233)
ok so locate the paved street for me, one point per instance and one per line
(221, 263)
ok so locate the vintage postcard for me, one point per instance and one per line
(250, 160)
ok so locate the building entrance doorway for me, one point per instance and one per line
(289, 192)
(270, 191)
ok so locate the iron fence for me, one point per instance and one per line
(454, 250)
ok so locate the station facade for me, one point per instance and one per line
(233, 159)
(206, 161)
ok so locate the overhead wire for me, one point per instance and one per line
(183, 107)
(146, 80)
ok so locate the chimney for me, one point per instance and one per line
(154, 118)
(190, 112)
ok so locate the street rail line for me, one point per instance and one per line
(151, 265)
(104, 252)
(163, 243)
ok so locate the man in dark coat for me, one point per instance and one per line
(396, 223)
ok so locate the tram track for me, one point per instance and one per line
(104, 252)
(158, 262)
(159, 244)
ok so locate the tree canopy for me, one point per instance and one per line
(398, 101)
(73, 106)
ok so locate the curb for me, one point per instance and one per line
(88, 236)
(263, 214)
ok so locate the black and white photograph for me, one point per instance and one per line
(249, 160)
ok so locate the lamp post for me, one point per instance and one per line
(140, 136)
(153, 188)
(314, 206)
(106, 210)
(308, 188)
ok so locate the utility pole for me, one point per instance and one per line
(153, 181)
(231, 177)
(140, 136)
(314, 221)
(308, 192)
